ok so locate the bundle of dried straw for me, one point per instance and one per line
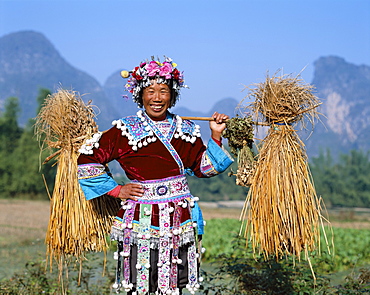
(282, 213)
(75, 225)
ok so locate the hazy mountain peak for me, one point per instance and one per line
(27, 52)
(28, 61)
(344, 89)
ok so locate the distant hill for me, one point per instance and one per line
(28, 61)
(344, 89)
(114, 90)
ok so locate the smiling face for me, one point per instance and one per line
(156, 100)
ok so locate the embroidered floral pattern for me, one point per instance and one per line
(139, 130)
(172, 187)
(90, 170)
(164, 249)
(193, 284)
(175, 246)
(207, 167)
(161, 190)
(186, 233)
(166, 238)
(164, 127)
(124, 228)
(143, 246)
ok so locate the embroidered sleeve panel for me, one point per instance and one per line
(90, 170)
(94, 180)
(207, 167)
(215, 159)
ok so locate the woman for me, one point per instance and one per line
(159, 226)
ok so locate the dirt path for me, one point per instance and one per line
(23, 220)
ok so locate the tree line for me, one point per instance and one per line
(343, 182)
(21, 173)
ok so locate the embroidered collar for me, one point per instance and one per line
(139, 132)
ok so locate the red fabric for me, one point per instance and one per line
(153, 161)
(115, 192)
(219, 142)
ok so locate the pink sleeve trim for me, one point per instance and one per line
(115, 192)
(217, 141)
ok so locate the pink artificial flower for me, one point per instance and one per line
(166, 70)
(152, 68)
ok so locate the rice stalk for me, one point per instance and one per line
(284, 99)
(76, 226)
(284, 209)
(282, 213)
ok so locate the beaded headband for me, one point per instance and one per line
(142, 75)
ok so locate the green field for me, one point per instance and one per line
(23, 226)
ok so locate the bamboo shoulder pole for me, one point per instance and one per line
(211, 119)
(197, 118)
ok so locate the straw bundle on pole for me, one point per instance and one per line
(282, 213)
(76, 226)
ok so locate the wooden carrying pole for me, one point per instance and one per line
(197, 118)
(212, 119)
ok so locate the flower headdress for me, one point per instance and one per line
(142, 75)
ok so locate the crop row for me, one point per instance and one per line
(351, 246)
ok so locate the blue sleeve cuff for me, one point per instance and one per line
(97, 186)
(219, 157)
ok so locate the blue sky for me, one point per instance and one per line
(221, 45)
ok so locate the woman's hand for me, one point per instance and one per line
(131, 191)
(218, 125)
